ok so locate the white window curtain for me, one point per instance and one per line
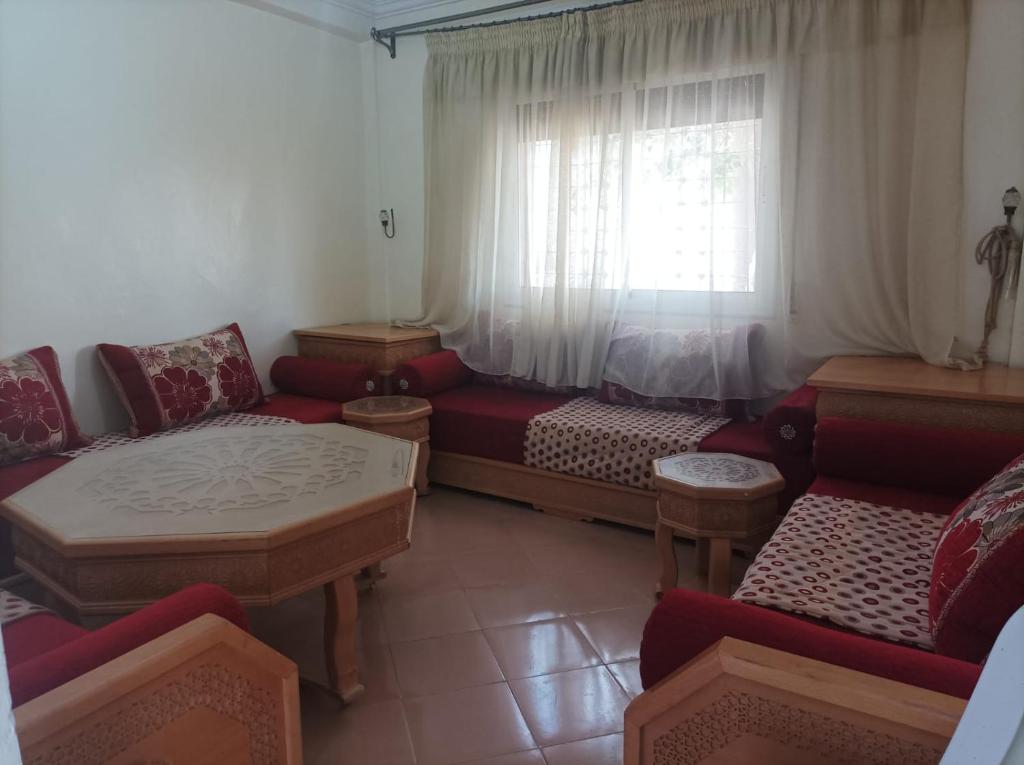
(696, 198)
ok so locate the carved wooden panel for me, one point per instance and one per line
(735, 519)
(922, 411)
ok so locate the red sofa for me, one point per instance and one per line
(44, 651)
(476, 417)
(308, 390)
(916, 468)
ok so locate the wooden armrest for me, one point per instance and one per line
(204, 693)
(739, 702)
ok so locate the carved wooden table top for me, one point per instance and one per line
(717, 475)
(383, 409)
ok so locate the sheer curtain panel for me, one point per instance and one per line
(695, 198)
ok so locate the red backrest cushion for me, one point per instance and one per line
(789, 427)
(35, 414)
(978, 571)
(617, 393)
(433, 373)
(174, 383)
(322, 378)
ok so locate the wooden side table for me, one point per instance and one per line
(743, 703)
(381, 346)
(403, 417)
(715, 499)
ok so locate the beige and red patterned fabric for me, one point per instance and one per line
(164, 386)
(35, 414)
(978, 572)
(13, 608)
(858, 565)
(615, 444)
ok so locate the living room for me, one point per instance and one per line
(376, 354)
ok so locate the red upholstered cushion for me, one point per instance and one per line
(486, 422)
(433, 373)
(978, 573)
(323, 378)
(790, 425)
(917, 457)
(46, 671)
(521, 383)
(183, 381)
(940, 504)
(302, 408)
(34, 635)
(35, 414)
(616, 393)
(685, 623)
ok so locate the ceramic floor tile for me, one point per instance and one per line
(570, 706)
(445, 613)
(464, 725)
(540, 648)
(530, 757)
(615, 634)
(489, 568)
(604, 750)
(445, 663)
(417, 578)
(373, 733)
(590, 591)
(519, 604)
(627, 673)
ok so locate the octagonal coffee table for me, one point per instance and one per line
(268, 512)
(716, 499)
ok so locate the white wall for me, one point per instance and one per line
(993, 152)
(167, 167)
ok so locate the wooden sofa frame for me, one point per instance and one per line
(206, 693)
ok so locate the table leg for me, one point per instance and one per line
(664, 540)
(719, 567)
(703, 547)
(340, 613)
(422, 461)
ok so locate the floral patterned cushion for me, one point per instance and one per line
(617, 393)
(35, 414)
(163, 386)
(978, 573)
(858, 565)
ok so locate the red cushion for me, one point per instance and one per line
(749, 439)
(890, 496)
(27, 638)
(685, 623)
(433, 373)
(302, 408)
(166, 385)
(46, 671)
(489, 422)
(917, 457)
(35, 414)
(790, 425)
(978, 573)
(323, 378)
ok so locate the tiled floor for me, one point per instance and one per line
(504, 636)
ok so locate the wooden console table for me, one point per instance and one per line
(381, 346)
(912, 391)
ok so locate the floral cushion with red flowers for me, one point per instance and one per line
(35, 414)
(163, 386)
(978, 572)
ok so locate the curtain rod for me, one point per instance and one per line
(388, 36)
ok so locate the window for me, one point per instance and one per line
(666, 202)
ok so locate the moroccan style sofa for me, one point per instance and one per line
(889, 564)
(481, 431)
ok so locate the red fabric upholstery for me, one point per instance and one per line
(433, 373)
(183, 381)
(978, 576)
(617, 393)
(35, 414)
(933, 460)
(891, 496)
(685, 623)
(486, 422)
(302, 408)
(749, 439)
(323, 378)
(45, 671)
(37, 634)
(790, 425)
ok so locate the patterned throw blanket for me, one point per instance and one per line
(13, 608)
(611, 443)
(229, 420)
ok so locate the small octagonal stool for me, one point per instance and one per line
(716, 499)
(403, 417)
